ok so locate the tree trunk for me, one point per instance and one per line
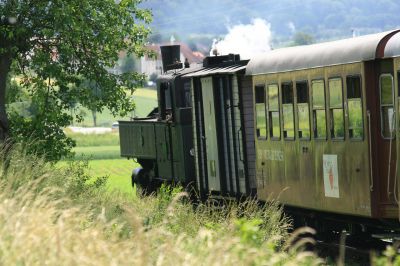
(5, 65)
(94, 114)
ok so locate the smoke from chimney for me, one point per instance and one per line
(246, 40)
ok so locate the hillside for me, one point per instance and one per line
(323, 19)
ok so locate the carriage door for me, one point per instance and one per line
(397, 97)
(222, 161)
(384, 137)
(210, 135)
(229, 133)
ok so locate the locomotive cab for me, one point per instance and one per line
(161, 142)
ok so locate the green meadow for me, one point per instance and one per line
(145, 100)
(102, 151)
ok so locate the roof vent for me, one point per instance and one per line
(210, 61)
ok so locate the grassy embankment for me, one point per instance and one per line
(53, 216)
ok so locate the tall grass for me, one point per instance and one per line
(51, 216)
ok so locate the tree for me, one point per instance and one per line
(53, 46)
(302, 38)
(96, 92)
(128, 64)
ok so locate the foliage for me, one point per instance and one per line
(302, 38)
(43, 133)
(390, 257)
(55, 46)
(128, 64)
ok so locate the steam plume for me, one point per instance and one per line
(246, 40)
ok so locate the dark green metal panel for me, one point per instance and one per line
(176, 135)
(164, 153)
(137, 139)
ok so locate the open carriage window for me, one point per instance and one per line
(336, 108)
(318, 105)
(303, 110)
(387, 105)
(354, 106)
(260, 112)
(287, 106)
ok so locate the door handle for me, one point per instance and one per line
(239, 144)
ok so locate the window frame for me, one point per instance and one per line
(297, 111)
(293, 112)
(265, 111)
(314, 109)
(270, 124)
(398, 98)
(331, 121)
(362, 108)
(380, 105)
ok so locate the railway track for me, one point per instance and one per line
(350, 250)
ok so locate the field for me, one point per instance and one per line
(145, 101)
(103, 158)
(102, 150)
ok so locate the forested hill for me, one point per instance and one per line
(323, 19)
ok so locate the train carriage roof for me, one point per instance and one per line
(358, 49)
(393, 46)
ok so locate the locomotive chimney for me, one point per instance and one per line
(170, 55)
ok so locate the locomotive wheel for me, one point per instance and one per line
(144, 180)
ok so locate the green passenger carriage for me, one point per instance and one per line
(327, 131)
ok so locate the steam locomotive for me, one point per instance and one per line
(315, 126)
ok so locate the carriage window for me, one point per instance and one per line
(186, 97)
(273, 111)
(354, 105)
(319, 115)
(387, 111)
(398, 84)
(165, 100)
(336, 108)
(303, 110)
(287, 105)
(260, 112)
(398, 99)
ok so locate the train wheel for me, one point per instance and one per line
(143, 179)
